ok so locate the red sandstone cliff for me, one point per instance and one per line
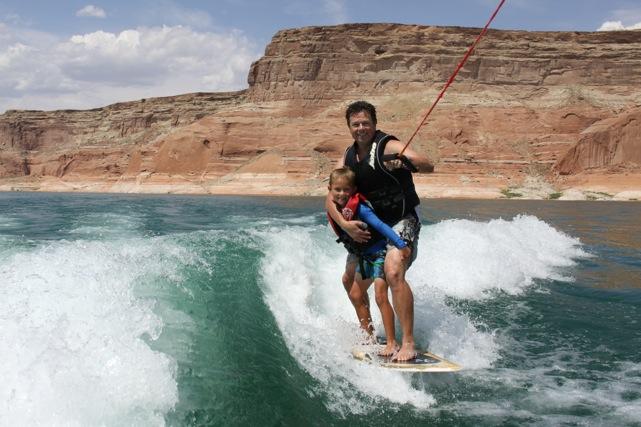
(611, 142)
(348, 61)
(526, 101)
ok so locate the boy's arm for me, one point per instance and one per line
(368, 215)
(353, 228)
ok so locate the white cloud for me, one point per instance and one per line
(618, 26)
(627, 14)
(99, 68)
(91, 11)
(15, 19)
(622, 19)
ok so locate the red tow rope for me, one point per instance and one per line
(460, 65)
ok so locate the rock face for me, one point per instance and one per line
(613, 142)
(96, 143)
(527, 104)
(352, 60)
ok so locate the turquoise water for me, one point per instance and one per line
(172, 310)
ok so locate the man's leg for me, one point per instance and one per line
(403, 301)
(387, 314)
(408, 229)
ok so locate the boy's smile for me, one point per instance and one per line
(341, 191)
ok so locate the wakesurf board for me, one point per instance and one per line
(424, 361)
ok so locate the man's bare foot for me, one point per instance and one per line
(389, 349)
(406, 353)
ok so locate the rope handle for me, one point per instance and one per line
(406, 162)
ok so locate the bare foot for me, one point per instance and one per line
(389, 349)
(406, 353)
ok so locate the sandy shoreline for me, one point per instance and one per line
(613, 187)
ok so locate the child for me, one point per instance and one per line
(370, 256)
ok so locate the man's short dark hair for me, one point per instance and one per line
(357, 107)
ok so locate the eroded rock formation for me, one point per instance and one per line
(609, 143)
(351, 60)
(525, 102)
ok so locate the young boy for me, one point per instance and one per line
(370, 256)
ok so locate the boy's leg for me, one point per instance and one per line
(387, 313)
(349, 278)
(350, 271)
(358, 296)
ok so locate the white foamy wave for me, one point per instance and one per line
(106, 226)
(75, 335)
(465, 259)
(8, 243)
(7, 221)
(454, 336)
(250, 222)
(302, 284)
(458, 258)
(559, 394)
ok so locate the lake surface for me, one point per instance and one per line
(178, 310)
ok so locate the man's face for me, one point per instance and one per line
(341, 191)
(362, 127)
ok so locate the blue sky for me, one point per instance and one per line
(85, 54)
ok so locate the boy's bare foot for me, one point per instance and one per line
(389, 349)
(406, 353)
(369, 339)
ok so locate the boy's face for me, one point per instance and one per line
(341, 190)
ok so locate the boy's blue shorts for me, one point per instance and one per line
(373, 265)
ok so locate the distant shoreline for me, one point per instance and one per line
(428, 187)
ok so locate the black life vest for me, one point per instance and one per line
(349, 212)
(391, 193)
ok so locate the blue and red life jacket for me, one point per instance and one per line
(350, 212)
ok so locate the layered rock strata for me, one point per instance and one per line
(352, 60)
(521, 110)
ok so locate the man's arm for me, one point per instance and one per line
(422, 162)
(353, 228)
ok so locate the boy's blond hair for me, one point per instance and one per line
(343, 173)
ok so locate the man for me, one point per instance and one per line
(389, 187)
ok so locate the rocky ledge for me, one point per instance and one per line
(532, 114)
